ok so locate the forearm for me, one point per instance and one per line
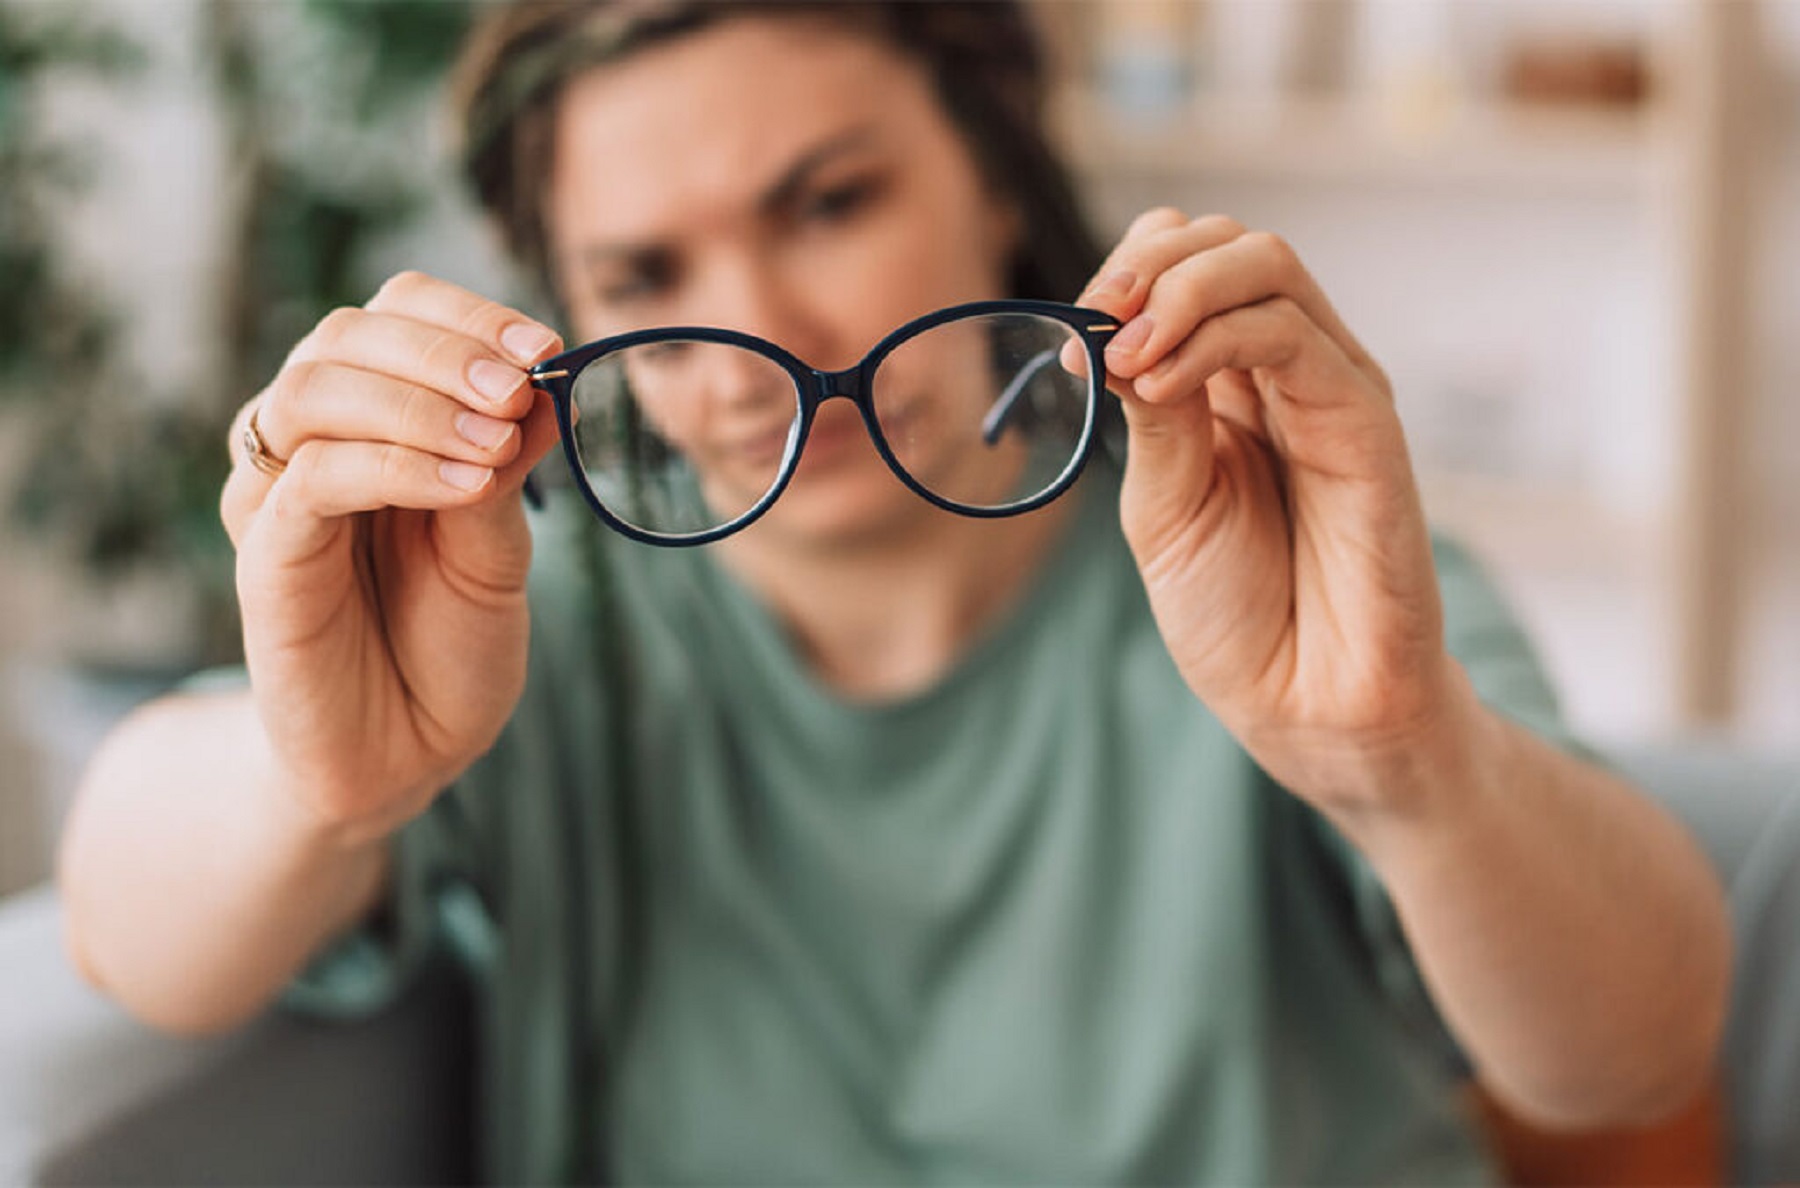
(193, 888)
(1573, 935)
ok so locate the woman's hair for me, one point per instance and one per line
(983, 58)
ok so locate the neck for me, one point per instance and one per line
(883, 619)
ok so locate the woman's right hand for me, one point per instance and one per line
(381, 575)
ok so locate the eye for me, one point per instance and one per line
(644, 279)
(836, 204)
(634, 289)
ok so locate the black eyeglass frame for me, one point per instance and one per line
(813, 387)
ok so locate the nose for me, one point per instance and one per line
(746, 381)
(756, 297)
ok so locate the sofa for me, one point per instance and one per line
(88, 1097)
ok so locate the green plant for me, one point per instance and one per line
(57, 335)
(321, 103)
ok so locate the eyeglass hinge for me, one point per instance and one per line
(544, 375)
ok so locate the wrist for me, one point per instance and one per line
(1433, 768)
(324, 814)
(289, 813)
(300, 817)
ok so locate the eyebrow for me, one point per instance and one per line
(774, 197)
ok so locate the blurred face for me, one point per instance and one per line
(798, 182)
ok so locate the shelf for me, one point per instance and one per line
(1354, 141)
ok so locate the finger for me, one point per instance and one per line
(338, 402)
(327, 479)
(1290, 366)
(1113, 280)
(1274, 334)
(1252, 268)
(448, 361)
(426, 298)
(1157, 241)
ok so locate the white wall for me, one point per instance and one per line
(1528, 312)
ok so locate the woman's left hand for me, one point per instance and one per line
(1571, 932)
(1271, 507)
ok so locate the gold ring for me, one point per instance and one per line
(258, 451)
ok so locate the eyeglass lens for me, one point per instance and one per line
(682, 437)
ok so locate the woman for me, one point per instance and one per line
(1188, 828)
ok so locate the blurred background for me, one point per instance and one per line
(1569, 229)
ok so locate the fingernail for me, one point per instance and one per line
(1132, 338)
(496, 381)
(1117, 283)
(464, 476)
(485, 432)
(525, 341)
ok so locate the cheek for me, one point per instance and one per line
(682, 423)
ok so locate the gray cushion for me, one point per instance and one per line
(88, 1096)
(1746, 813)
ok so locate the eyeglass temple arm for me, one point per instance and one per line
(995, 421)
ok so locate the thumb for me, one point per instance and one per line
(1170, 461)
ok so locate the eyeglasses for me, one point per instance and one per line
(686, 434)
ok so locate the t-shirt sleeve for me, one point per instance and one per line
(1483, 634)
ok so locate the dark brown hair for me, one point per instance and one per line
(984, 60)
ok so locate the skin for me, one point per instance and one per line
(1572, 934)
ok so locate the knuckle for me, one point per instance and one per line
(299, 385)
(1220, 226)
(416, 415)
(1189, 273)
(335, 327)
(445, 349)
(484, 320)
(391, 470)
(1273, 247)
(1157, 218)
(398, 288)
(1284, 311)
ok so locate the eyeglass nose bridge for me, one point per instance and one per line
(847, 383)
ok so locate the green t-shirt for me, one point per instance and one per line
(1045, 922)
